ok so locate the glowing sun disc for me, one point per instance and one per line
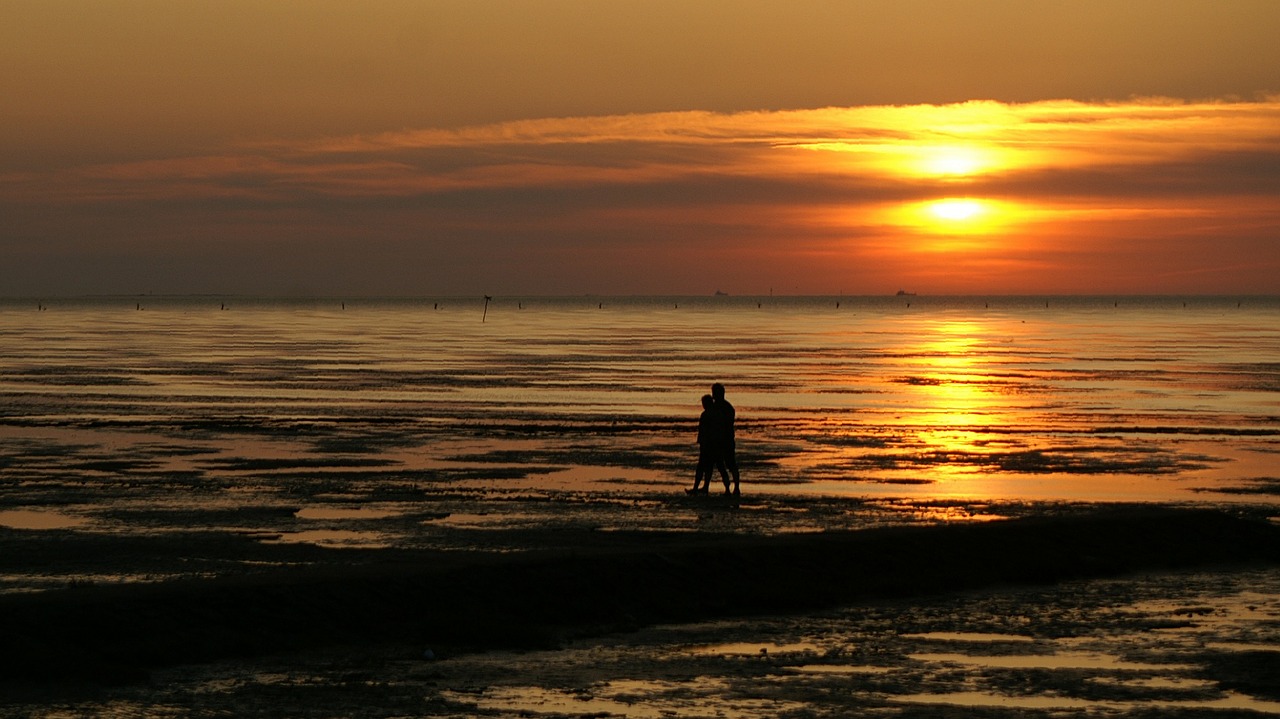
(955, 162)
(956, 210)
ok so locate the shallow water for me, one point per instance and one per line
(995, 397)
(364, 423)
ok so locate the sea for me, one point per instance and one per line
(115, 407)
(147, 438)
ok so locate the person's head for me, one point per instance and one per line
(708, 401)
(717, 390)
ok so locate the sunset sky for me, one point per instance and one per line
(511, 147)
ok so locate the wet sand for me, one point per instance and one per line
(267, 580)
(89, 644)
(297, 512)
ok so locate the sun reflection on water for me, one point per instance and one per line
(958, 408)
(952, 388)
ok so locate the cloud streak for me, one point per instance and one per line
(820, 200)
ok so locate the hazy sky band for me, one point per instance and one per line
(565, 147)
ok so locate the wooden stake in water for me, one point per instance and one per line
(486, 308)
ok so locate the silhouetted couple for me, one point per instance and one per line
(716, 448)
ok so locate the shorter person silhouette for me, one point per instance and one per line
(710, 448)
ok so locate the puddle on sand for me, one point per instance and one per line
(323, 512)
(1182, 683)
(1230, 700)
(634, 699)
(27, 583)
(924, 512)
(838, 669)
(333, 539)
(537, 700)
(742, 649)
(1241, 647)
(39, 519)
(1066, 660)
(969, 637)
(571, 477)
(475, 520)
(1213, 614)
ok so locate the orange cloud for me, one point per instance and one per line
(996, 188)
(910, 145)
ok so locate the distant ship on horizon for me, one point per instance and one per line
(904, 293)
(718, 293)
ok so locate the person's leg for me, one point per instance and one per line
(724, 476)
(731, 459)
(707, 460)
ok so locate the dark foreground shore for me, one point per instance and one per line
(456, 602)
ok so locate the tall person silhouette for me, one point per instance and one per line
(727, 449)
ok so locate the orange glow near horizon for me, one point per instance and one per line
(1058, 196)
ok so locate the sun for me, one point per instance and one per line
(954, 216)
(951, 163)
(957, 210)
(955, 161)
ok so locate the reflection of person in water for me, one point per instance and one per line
(728, 452)
(710, 445)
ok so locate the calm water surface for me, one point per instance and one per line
(1034, 398)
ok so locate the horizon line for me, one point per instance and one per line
(493, 295)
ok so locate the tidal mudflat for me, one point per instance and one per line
(1134, 611)
(1168, 644)
(282, 507)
